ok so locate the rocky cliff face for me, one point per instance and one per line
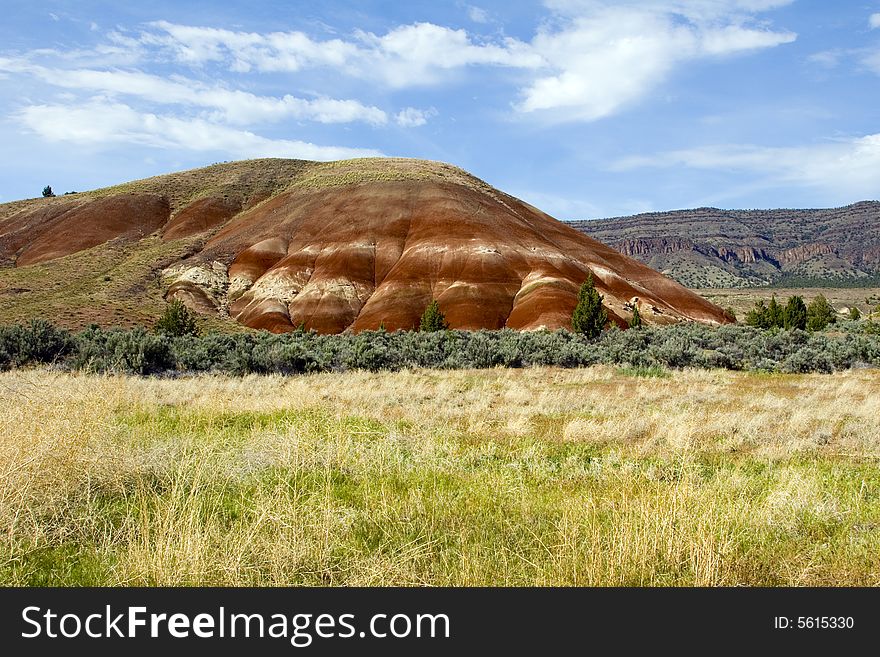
(345, 246)
(708, 247)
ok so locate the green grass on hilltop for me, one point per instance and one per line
(253, 181)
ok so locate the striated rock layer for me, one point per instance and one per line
(362, 244)
(708, 247)
(377, 253)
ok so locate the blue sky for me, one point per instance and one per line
(584, 108)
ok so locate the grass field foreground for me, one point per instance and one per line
(539, 476)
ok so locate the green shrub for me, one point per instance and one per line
(177, 320)
(37, 342)
(758, 316)
(766, 317)
(775, 314)
(683, 345)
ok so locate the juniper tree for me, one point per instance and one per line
(758, 316)
(589, 317)
(177, 320)
(433, 318)
(819, 314)
(795, 314)
(636, 320)
(775, 314)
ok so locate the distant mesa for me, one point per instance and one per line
(344, 246)
(708, 247)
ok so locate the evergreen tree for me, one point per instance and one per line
(758, 316)
(433, 319)
(636, 320)
(589, 317)
(775, 317)
(177, 320)
(854, 314)
(819, 314)
(795, 314)
(47, 191)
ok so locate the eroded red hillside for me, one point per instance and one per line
(45, 233)
(356, 245)
(377, 253)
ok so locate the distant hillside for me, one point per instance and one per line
(708, 247)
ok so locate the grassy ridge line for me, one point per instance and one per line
(260, 179)
(498, 477)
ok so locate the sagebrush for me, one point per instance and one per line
(732, 347)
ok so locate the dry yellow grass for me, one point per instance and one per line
(512, 477)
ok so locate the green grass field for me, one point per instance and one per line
(598, 476)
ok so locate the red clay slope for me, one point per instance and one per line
(364, 255)
(45, 233)
(351, 246)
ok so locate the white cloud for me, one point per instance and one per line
(477, 14)
(408, 55)
(843, 167)
(275, 51)
(874, 21)
(593, 59)
(412, 117)
(233, 106)
(101, 123)
(872, 61)
(700, 10)
(605, 57)
(417, 54)
(826, 58)
(866, 59)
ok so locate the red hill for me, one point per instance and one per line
(342, 246)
